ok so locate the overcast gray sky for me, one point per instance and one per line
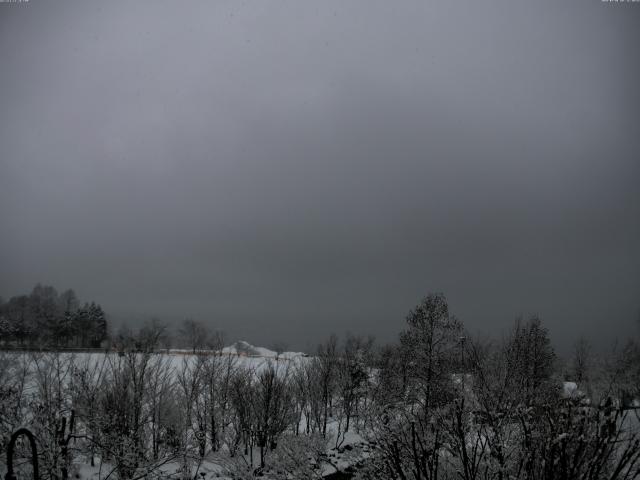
(287, 169)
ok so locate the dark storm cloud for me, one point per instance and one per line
(283, 170)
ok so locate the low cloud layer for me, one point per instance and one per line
(285, 170)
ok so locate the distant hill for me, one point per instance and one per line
(242, 347)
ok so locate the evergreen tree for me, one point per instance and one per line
(98, 323)
(431, 342)
(20, 318)
(531, 358)
(44, 305)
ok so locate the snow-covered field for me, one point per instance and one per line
(352, 448)
(242, 353)
(335, 455)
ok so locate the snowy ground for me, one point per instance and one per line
(352, 447)
(352, 450)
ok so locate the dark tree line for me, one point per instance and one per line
(46, 318)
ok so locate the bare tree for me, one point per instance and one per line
(153, 334)
(328, 356)
(273, 406)
(353, 377)
(51, 407)
(126, 412)
(581, 360)
(241, 396)
(14, 407)
(194, 334)
(279, 347)
(87, 379)
(190, 383)
(219, 370)
(162, 403)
